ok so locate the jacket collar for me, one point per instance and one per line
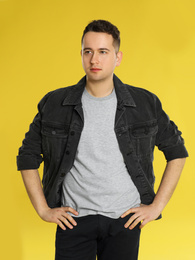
(123, 95)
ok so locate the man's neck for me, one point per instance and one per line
(100, 88)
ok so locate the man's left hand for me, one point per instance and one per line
(143, 214)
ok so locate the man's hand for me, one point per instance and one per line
(60, 216)
(144, 214)
(56, 215)
(167, 186)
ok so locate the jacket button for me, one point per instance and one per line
(62, 174)
(53, 132)
(72, 132)
(67, 152)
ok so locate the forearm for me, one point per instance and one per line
(168, 183)
(34, 189)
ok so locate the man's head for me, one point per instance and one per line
(104, 27)
(100, 50)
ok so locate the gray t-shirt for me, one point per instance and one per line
(98, 182)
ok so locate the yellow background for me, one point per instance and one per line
(39, 52)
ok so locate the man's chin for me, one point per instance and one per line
(95, 78)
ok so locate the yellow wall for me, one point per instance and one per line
(39, 52)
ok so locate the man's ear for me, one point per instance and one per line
(81, 52)
(119, 57)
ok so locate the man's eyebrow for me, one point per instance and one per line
(87, 49)
(101, 49)
(104, 49)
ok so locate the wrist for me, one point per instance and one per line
(42, 211)
(158, 206)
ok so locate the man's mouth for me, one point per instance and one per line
(95, 69)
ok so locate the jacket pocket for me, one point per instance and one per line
(54, 139)
(143, 136)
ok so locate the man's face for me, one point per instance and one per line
(99, 56)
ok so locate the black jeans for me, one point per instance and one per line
(98, 235)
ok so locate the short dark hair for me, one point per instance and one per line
(106, 27)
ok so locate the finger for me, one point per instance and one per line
(127, 212)
(135, 223)
(66, 222)
(143, 224)
(69, 209)
(59, 223)
(132, 210)
(70, 219)
(131, 219)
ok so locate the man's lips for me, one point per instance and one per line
(95, 69)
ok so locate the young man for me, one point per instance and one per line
(96, 139)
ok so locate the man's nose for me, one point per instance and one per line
(95, 58)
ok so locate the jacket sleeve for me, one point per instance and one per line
(169, 139)
(30, 153)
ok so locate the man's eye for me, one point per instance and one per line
(103, 52)
(87, 52)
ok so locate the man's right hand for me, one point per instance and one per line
(60, 216)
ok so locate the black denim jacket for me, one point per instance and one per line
(140, 124)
